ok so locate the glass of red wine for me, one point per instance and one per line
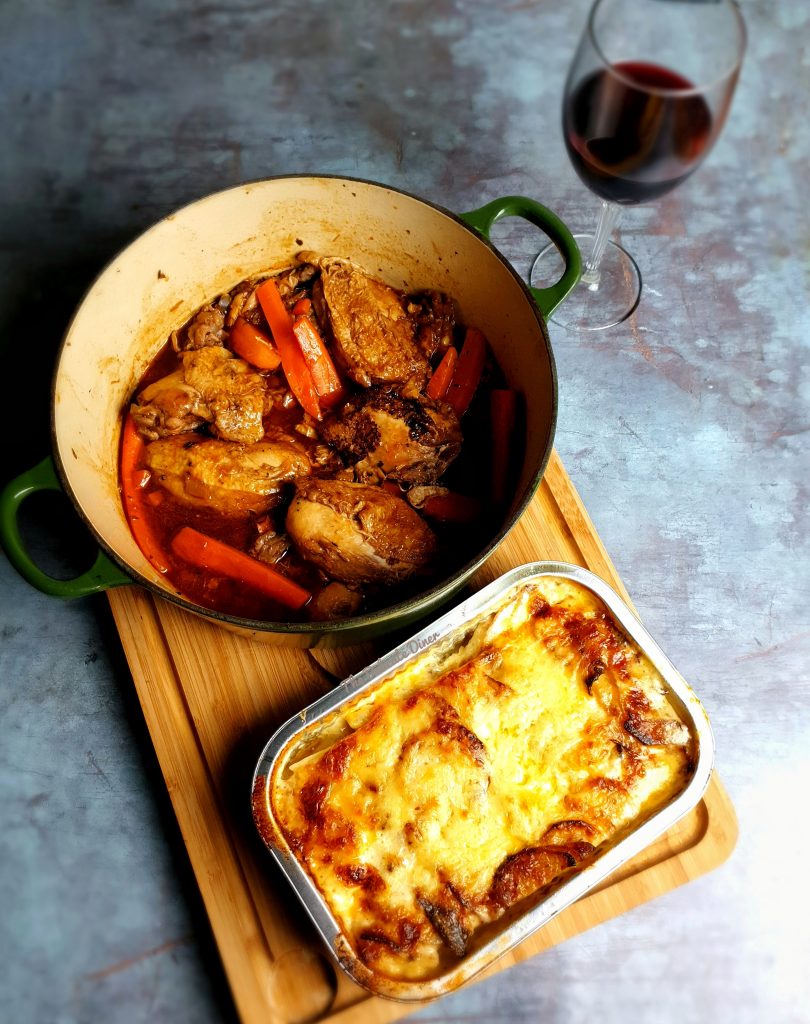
(647, 94)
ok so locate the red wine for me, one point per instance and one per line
(630, 143)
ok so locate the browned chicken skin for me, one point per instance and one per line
(233, 478)
(169, 406)
(233, 391)
(412, 440)
(213, 386)
(356, 533)
(373, 336)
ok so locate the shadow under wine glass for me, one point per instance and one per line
(646, 97)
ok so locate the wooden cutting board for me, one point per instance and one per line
(212, 699)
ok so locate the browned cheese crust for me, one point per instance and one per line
(471, 782)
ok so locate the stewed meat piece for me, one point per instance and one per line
(169, 406)
(244, 303)
(232, 478)
(374, 338)
(233, 392)
(292, 283)
(336, 601)
(207, 328)
(357, 533)
(412, 440)
(270, 547)
(435, 317)
(213, 386)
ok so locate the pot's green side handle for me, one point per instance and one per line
(547, 299)
(101, 576)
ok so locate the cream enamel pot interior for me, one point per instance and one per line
(206, 248)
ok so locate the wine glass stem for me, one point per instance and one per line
(608, 219)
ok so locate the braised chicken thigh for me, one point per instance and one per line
(212, 386)
(373, 335)
(357, 533)
(169, 406)
(233, 392)
(302, 447)
(224, 475)
(383, 435)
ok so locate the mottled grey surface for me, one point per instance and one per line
(685, 432)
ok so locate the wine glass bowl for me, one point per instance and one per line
(646, 97)
(635, 131)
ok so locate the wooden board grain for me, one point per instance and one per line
(211, 700)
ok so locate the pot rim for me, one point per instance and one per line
(427, 598)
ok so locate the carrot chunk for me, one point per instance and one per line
(292, 360)
(216, 557)
(452, 508)
(254, 346)
(325, 377)
(443, 376)
(468, 371)
(132, 495)
(503, 415)
(302, 307)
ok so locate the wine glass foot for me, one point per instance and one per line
(594, 304)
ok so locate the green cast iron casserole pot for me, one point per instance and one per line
(206, 248)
